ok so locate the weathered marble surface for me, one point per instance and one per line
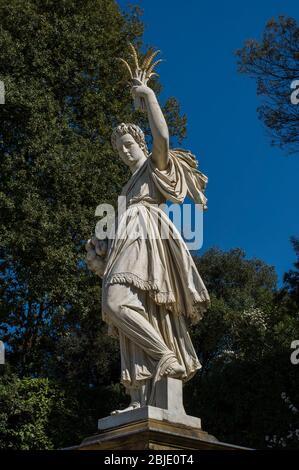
(151, 287)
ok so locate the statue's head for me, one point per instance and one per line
(129, 141)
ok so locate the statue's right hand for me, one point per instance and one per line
(89, 246)
(100, 246)
(94, 262)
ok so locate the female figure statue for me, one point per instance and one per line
(151, 286)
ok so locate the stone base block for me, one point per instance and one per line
(152, 428)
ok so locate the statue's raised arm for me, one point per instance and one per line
(157, 124)
(146, 100)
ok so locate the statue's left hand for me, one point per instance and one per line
(140, 89)
(140, 92)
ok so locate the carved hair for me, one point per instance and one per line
(134, 131)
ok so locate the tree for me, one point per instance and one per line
(243, 343)
(291, 278)
(274, 63)
(65, 91)
(29, 411)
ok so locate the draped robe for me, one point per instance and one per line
(162, 282)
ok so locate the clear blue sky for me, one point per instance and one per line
(253, 189)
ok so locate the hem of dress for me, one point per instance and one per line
(130, 278)
(200, 300)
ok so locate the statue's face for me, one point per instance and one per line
(128, 150)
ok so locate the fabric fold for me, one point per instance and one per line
(148, 255)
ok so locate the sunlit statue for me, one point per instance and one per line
(151, 287)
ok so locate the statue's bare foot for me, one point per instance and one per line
(132, 406)
(175, 371)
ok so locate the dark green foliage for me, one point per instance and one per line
(291, 278)
(244, 342)
(274, 63)
(31, 411)
(65, 91)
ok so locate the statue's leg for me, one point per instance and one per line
(125, 310)
(119, 303)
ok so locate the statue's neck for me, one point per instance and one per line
(138, 165)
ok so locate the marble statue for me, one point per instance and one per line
(151, 287)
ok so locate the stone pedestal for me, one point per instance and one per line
(150, 428)
(166, 427)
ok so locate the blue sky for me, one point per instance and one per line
(253, 188)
